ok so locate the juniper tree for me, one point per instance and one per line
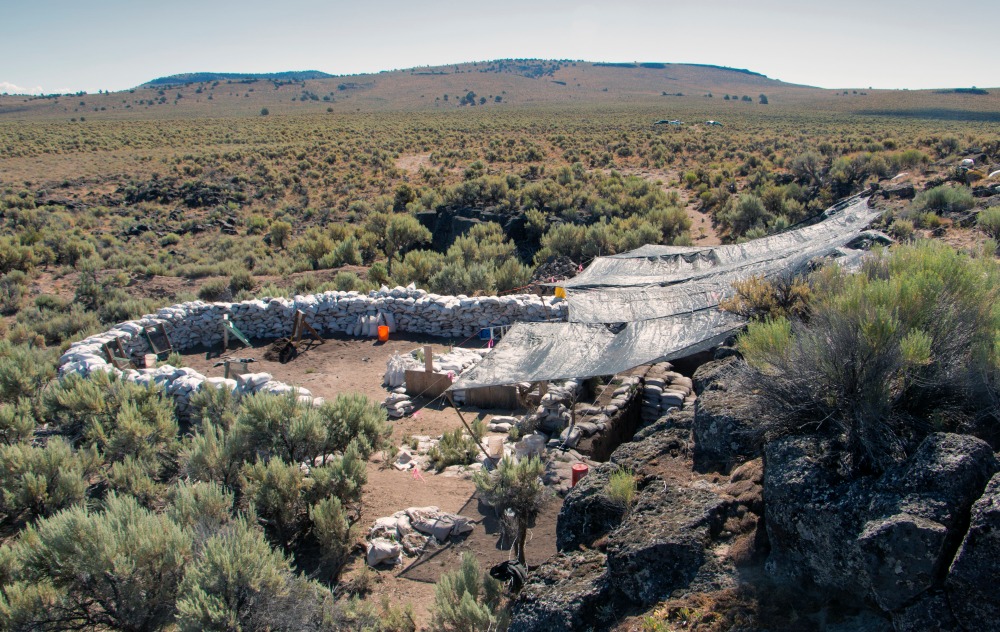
(515, 486)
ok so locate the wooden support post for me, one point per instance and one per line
(225, 337)
(467, 427)
(543, 388)
(429, 359)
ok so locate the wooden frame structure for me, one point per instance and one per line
(116, 354)
(300, 328)
(159, 341)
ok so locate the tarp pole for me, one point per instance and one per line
(467, 427)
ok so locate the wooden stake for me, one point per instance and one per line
(471, 434)
(429, 359)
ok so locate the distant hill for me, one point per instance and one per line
(205, 77)
(688, 92)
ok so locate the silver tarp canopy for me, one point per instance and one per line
(534, 352)
(666, 296)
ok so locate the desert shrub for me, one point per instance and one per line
(200, 508)
(468, 600)
(238, 582)
(355, 613)
(215, 290)
(51, 302)
(211, 455)
(14, 256)
(170, 239)
(909, 159)
(55, 328)
(457, 278)
(333, 533)
(511, 275)
(348, 282)
(352, 417)
(278, 492)
(17, 422)
(944, 199)
(562, 240)
(454, 448)
(279, 233)
(118, 417)
(621, 488)
(282, 426)
(240, 281)
(989, 222)
(24, 370)
(293, 504)
(378, 274)
(928, 220)
(746, 213)
(905, 347)
(116, 568)
(116, 310)
(758, 298)
(901, 229)
(135, 477)
(346, 252)
(218, 406)
(417, 266)
(13, 286)
(38, 481)
(402, 233)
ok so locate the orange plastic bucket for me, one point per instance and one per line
(383, 333)
(579, 471)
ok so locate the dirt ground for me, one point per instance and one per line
(344, 365)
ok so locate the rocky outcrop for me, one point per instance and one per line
(900, 191)
(971, 580)
(888, 539)
(663, 543)
(586, 514)
(725, 429)
(568, 592)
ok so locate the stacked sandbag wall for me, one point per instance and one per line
(199, 323)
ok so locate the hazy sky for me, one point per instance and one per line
(69, 45)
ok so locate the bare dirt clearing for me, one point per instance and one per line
(413, 163)
(345, 365)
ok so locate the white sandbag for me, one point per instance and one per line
(382, 550)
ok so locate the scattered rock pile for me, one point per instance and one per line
(556, 269)
(413, 454)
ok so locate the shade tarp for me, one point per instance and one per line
(663, 301)
(665, 265)
(535, 352)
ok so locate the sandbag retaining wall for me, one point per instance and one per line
(200, 324)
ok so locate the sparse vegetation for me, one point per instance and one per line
(467, 600)
(216, 189)
(906, 347)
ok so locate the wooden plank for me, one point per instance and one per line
(493, 397)
(429, 359)
(426, 384)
